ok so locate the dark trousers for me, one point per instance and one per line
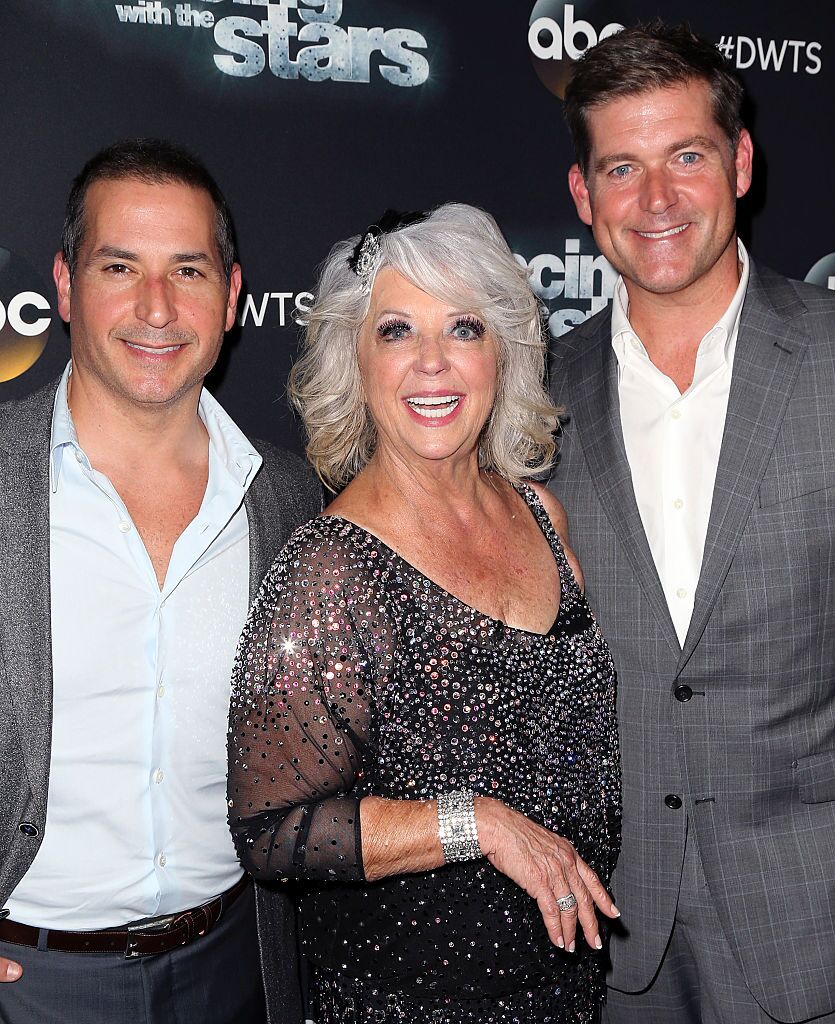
(216, 979)
(699, 981)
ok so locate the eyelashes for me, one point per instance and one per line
(471, 323)
(465, 328)
(393, 329)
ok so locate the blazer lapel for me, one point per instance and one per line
(260, 549)
(769, 352)
(269, 526)
(25, 613)
(595, 410)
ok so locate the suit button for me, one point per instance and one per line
(672, 801)
(28, 829)
(683, 693)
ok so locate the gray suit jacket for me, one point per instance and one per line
(283, 495)
(752, 752)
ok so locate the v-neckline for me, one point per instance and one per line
(498, 623)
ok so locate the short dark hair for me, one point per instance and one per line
(651, 55)
(156, 162)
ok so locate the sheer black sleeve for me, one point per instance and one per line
(300, 712)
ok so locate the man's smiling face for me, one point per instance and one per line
(661, 187)
(148, 304)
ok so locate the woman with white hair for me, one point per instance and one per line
(422, 722)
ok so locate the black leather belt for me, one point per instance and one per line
(142, 939)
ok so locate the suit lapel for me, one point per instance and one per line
(25, 626)
(595, 410)
(269, 525)
(769, 352)
(261, 551)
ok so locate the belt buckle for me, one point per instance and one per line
(140, 929)
(155, 924)
(197, 922)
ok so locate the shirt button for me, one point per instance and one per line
(79, 455)
(681, 592)
(124, 526)
(159, 775)
(678, 503)
(675, 414)
(160, 691)
(162, 860)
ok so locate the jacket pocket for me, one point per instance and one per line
(793, 486)
(816, 777)
(789, 478)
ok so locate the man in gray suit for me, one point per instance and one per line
(136, 524)
(698, 473)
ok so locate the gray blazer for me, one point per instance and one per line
(752, 752)
(283, 495)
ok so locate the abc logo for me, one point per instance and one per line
(25, 316)
(823, 272)
(558, 35)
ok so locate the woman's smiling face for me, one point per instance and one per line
(429, 371)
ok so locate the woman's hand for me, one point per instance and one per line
(547, 867)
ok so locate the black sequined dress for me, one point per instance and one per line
(358, 675)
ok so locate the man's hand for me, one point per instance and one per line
(9, 970)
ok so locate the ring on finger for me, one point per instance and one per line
(566, 903)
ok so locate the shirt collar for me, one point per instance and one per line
(63, 433)
(229, 442)
(724, 331)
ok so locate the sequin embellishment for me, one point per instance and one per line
(358, 675)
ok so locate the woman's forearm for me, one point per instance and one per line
(399, 837)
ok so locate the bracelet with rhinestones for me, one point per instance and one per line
(457, 827)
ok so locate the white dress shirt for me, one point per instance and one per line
(136, 813)
(672, 443)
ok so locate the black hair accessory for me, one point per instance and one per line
(365, 257)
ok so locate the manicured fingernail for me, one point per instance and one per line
(13, 972)
(615, 909)
(560, 942)
(598, 943)
(571, 947)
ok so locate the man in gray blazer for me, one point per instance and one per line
(136, 524)
(698, 472)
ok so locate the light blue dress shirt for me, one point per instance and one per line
(136, 815)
